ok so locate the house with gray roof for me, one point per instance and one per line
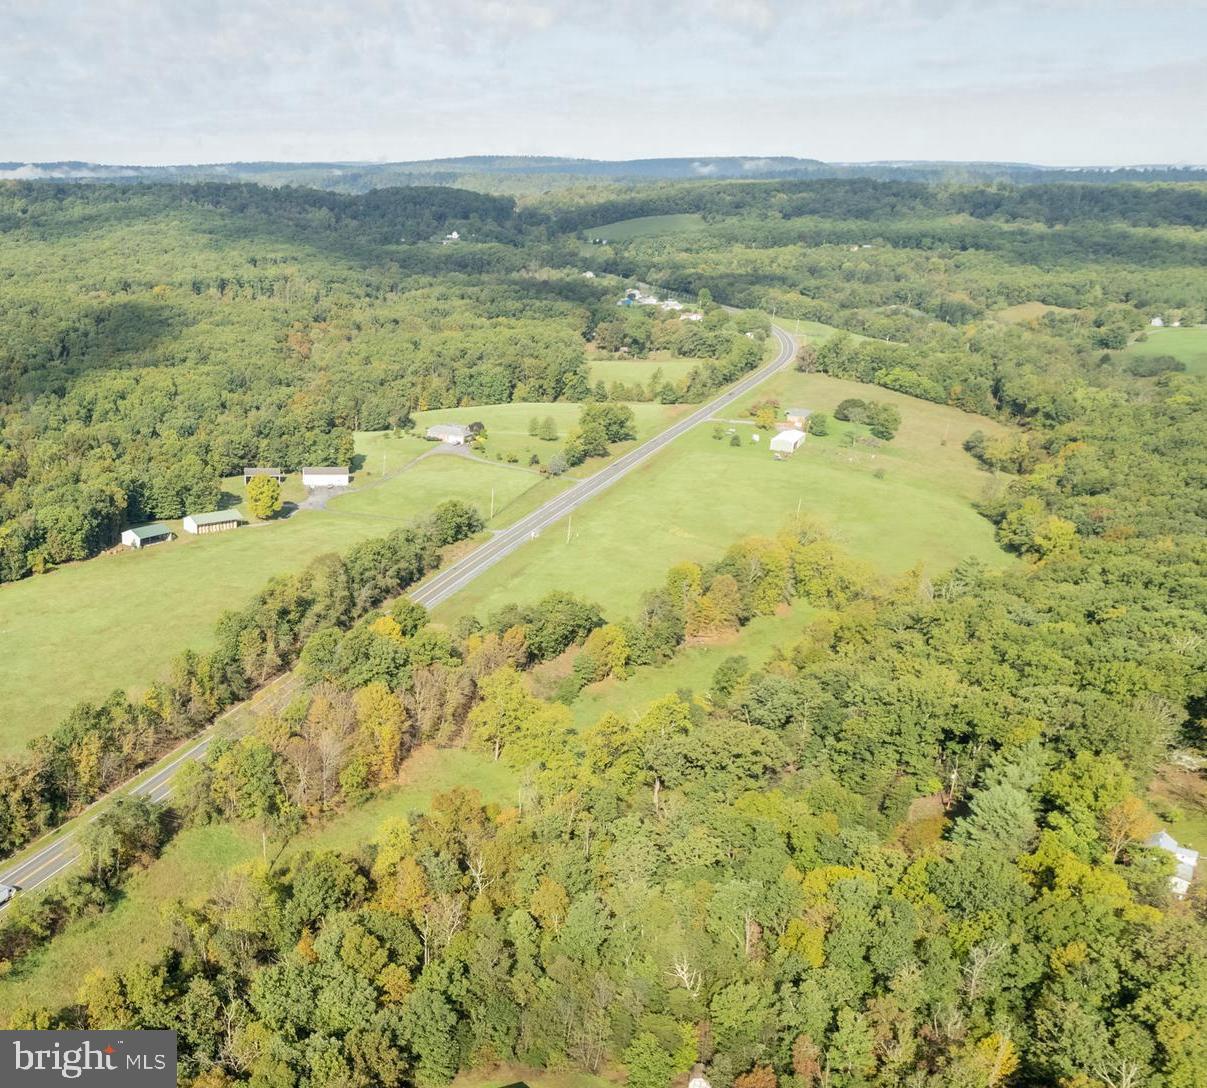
(456, 434)
(1186, 860)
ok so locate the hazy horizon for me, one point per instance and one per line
(1065, 83)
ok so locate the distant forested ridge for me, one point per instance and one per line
(536, 173)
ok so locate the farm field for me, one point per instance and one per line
(646, 226)
(895, 505)
(195, 860)
(1187, 345)
(63, 639)
(61, 625)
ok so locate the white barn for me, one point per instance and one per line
(142, 535)
(787, 442)
(325, 476)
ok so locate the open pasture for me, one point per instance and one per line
(646, 226)
(894, 504)
(116, 621)
(1187, 344)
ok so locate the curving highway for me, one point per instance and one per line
(60, 849)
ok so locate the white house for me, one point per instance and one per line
(325, 476)
(588, 275)
(787, 442)
(456, 434)
(1157, 322)
(142, 535)
(217, 521)
(450, 238)
(693, 316)
(1186, 859)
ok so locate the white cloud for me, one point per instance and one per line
(187, 81)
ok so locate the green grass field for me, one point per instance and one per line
(692, 667)
(1188, 345)
(629, 371)
(647, 226)
(117, 620)
(193, 865)
(696, 497)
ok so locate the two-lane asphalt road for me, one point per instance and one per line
(61, 848)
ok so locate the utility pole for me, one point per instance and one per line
(492, 503)
(569, 525)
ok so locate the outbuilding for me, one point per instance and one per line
(251, 473)
(1185, 861)
(787, 442)
(140, 536)
(798, 417)
(456, 434)
(216, 521)
(326, 476)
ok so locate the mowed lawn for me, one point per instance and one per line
(646, 226)
(195, 861)
(116, 621)
(1188, 345)
(630, 371)
(896, 504)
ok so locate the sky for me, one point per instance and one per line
(154, 82)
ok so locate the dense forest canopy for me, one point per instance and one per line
(910, 849)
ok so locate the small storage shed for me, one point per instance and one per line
(140, 536)
(787, 442)
(250, 474)
(326, 476)
(216, 521)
